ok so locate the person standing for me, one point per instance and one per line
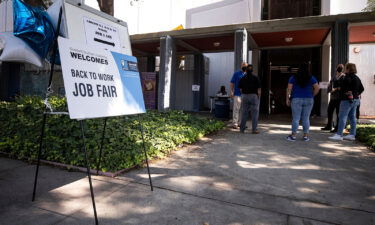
(301, 90)
(350, 90)
(334, 102)
(250, 87)
(236, 94)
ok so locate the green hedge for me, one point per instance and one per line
(20, 124)
(366, 134)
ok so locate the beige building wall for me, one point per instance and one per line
(365, 61)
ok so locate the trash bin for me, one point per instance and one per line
(222, 108)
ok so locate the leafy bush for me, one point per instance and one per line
(20, 124)
(366, 134)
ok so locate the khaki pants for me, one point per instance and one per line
(236, 110)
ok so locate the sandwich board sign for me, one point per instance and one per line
(101, 78)
(98, 82)
(89, 26)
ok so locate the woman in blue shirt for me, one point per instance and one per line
(300, 96)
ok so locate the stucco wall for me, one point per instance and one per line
(221, 71)
(223, 13)
(333, 7)
(366, 71)
(147, 16)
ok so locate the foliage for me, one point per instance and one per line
(20, 124)
(366, 134)
(370, 6)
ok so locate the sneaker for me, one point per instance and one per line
(349, 137)
(291, 138)
(306, 138)
(325, 128)
(336, 137)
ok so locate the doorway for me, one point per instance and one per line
(277, 66)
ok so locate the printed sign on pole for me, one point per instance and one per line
(195, 87)
(323, 85)
(86, 25)
(99, 82)
(101, 34)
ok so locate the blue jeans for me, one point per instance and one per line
(301, 109)
(348, 109)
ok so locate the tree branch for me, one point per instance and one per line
(36, 3)
(106, 6)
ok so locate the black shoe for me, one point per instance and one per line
(334, 131)
(326, 128)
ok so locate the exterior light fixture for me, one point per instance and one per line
(356, 50)
(288, 39)
(373, 34)
(216, 44)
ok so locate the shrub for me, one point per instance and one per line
(366, 134)
(20, 124)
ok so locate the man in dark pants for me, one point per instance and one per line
(250, 91)
(334, 102)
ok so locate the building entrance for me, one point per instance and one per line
(277, 66)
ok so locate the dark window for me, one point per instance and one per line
(279, 9)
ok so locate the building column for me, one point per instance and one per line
(240, 48)
(326, 75)
(255, 60)
(198, 79)
(340, 44)
(167, 72)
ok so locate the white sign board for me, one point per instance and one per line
(99, 82)
(101, 34)
(195, 87)
(323, 85)
(90, 26)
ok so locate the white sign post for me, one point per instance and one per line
(101, 34)
(99, 83)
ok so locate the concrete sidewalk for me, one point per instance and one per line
(228, 178)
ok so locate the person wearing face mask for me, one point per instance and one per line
(334, 102)
(250, 87)
(351, 89)
(235, 93)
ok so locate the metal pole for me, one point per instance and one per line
(88, 170)
(101, 147)
(144, 150)
(39, 155)
(45, 108)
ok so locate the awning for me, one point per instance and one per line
(293, 32)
